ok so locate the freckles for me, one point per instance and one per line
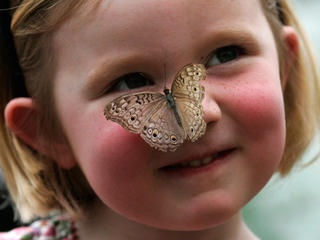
(259, 114)
(259, 100)
(259, 107)
(261, 111)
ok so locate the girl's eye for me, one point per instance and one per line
(224, 55)
(131, 81)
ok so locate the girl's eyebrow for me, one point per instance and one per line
(105, 71)
(234, 34)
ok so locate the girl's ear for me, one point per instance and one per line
(291, 41)
(21, 117)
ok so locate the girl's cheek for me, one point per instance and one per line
(115, 138)
(119, 163)
(260, 107)
(259, 111)
(116, 144)
(253, 102)
(252, 98)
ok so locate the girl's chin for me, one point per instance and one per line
(192, 218)
(198, 223)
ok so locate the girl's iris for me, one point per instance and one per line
(224, 55)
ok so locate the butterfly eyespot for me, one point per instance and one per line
(133, 118)
(173, 138)
(149, 131)
(191, 129)
(113, 108)
(155, 133)
(195, 89)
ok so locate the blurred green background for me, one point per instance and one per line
(289, 208)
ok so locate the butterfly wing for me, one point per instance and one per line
(192, 119)
(162, 131)
(149, 114)
(132, 110)
(188, 95)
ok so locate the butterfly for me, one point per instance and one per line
(166, 120)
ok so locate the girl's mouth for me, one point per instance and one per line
(187, 168)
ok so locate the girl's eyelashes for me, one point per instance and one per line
(131, 81)
(224, 55)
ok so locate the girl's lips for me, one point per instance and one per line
(188, 168)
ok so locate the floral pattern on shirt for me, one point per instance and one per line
(54, 228)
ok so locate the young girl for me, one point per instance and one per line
(96, 180)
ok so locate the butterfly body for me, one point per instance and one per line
(172, 104)
(164, 121)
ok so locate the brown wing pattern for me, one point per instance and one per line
(188, 95)
(131, 111)
(192, 119)
(186, 83)
(162, 131)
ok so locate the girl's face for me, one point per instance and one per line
(243, 105)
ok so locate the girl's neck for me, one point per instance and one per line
(106, 224)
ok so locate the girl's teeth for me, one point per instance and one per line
(196, 163)
(207, 160)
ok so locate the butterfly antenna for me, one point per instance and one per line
(165, 76)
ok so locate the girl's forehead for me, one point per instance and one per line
(122, 13)
(132, 20)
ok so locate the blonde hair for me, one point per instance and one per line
(302, 90)
(37, 184)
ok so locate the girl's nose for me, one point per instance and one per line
(211, 109)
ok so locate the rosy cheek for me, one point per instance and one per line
(259, 111)
(118, 164)
(119, 145)
(114, 150)
(110, 137)
(119, 138)
(262, 109)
